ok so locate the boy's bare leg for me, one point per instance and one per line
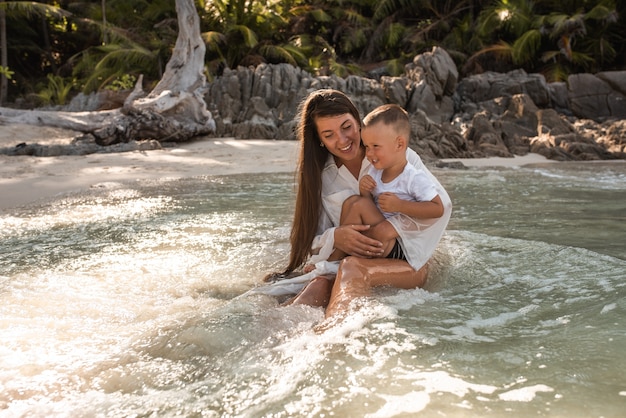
(359, 210)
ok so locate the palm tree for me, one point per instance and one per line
(136, 39)
(538, 38)
(248, 32)
(27, 23)
(4, 60)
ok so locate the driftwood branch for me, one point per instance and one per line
(174, 111)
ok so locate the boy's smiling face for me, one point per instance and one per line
(383, 147)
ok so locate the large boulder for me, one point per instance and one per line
(433, 78)
(523, 127)
(485, 139)
(490, 85)
(433, 140)
(256, 102)
(262, 102)
(598, 96)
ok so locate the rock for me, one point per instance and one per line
(488, 114)
(456, 165)
(432, 140)
(396, 89)
(518, 123)
(432, 79)
(437, 69)
(258, 121)
(501, 114)
(598, 97)
(611, 135)
(490, 85)
(366, 92)
(559, 96)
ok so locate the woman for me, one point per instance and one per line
(332, 159)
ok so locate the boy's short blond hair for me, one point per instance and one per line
(391, 115)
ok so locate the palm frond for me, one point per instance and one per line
(602, 13)
(387, 8)
(276, 54)
(213, 39)
(301, 10)
(31, 8)
(526, 47)
(248, 36)
(395, 66)
(395, 34)
(353, 40)
(298, 54)
(501, 50)
(125, 58)
(555, 72)
(113, 34)
(339, 69)
(354, 17)
(583, 60)
(567, 24)
(320, 15)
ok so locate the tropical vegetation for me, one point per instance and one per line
(52, 49)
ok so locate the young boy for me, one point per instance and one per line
(392, 186)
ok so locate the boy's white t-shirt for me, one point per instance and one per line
(412, 184)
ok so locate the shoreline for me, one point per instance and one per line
(26, 179)
(516, 161)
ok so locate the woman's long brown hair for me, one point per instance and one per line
(320, 103)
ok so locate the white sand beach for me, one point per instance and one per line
(26, 179)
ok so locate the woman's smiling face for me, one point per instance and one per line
(340, 135)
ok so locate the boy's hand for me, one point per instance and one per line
(366, 185)
(388, 202)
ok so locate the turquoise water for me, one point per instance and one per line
(130, 300)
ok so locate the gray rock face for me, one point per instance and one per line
(490, 114)
(258, 102)
(489, 86)
(599, 97)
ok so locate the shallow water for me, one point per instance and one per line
(130, 300)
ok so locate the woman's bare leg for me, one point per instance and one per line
(356, 276)
(316, 293)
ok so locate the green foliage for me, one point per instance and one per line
(556, 38)
(77, 41)
(56, 91)
(99, 66)
(247, 33)
(124, 82)
(29, 9)
(526, 46)
(5, 71)
(395, 67)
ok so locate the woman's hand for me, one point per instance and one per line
(350, 240)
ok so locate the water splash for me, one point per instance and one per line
(130, 300)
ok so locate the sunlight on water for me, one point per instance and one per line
(130, 299)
